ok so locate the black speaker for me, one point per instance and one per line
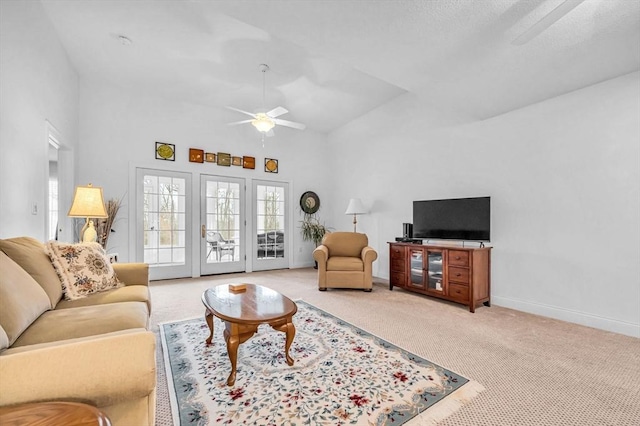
(407, 230)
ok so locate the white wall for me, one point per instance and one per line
(564, 177)
(119, 128)
(37, 83)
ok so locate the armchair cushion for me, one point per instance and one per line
(345, 244)
(339, 263)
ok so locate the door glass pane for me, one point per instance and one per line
(164, 220)
(222, 221)
(435, 270)
(270, 217)
(417, 272)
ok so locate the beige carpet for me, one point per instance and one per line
(535, 371)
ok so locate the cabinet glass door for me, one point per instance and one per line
(418, 269)
(435, 279)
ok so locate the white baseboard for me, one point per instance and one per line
(577, 317)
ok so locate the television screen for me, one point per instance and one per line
(466, 219)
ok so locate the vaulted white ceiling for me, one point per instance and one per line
(334, 60)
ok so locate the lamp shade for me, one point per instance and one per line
(355, 207)
(88, 202)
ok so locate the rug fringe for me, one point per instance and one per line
(449, 405)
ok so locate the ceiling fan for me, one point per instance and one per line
(265, 121)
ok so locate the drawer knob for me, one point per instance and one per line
(458, 274)
(457, 257)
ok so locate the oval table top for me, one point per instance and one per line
(254, 305)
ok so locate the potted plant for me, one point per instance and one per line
(313, 230)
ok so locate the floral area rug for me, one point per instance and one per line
(342, 376)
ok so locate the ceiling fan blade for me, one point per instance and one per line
(277, 111)
(239, 110)
(239, 122)
(288, 123)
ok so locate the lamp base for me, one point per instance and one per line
(89, 234)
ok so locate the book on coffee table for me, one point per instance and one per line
(237, 287)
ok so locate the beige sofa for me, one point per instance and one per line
(345, 261)
(95, 350)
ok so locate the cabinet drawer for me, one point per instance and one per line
(397, 252)
(458, 258)
(397, 265)
(459, 292)
(397, 279)
(460, 275)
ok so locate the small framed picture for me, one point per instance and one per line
(249, 162)
(224, 159)
(165, 151)
(271, 165)
(209, 157)
(196, 155)
(236, 161)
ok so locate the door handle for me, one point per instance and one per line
(204, 231)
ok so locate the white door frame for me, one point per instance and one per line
(239, 250)
(277, 263)
(164, 272)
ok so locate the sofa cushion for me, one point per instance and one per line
(22, 300)
(83, 321)
(346, 244)
(83, 268)
(130, 293)
(339, 263)
(29, 254)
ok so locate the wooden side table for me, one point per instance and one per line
(52, 414)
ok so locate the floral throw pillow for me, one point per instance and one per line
(83, 268)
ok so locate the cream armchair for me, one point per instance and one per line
(345, 261)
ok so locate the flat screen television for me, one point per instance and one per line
(465, 219)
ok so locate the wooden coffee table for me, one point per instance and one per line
(243, 311)
(56, 413)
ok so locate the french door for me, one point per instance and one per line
(164, 222)
(222, 225)
(167, 209)
(270, 240)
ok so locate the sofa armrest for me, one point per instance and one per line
(102, 371)
(132, 273)
(321, 255)
(368, 255)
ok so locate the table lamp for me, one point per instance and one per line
(355, 208)
(88, 202)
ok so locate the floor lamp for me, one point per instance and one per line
(88, 202)
(355, 208)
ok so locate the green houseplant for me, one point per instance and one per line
(312, 230)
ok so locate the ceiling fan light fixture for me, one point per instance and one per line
(263, 123)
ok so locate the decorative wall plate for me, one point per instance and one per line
(271, 165)
(309, 202)
(236, 161)
(249, 162)
(196, 155)
(210, 157)
(224, 159)
(165, 151)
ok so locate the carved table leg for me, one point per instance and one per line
(233, 341)
(291, 332)
(208, 316)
